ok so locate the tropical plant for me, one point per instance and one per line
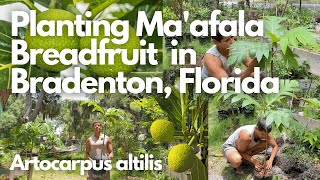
(278, 36)
(312, 108)
(12, 115)
(267, 105)
(312, 137)
(190, 119)
(31, 135)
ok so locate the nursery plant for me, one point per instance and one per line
(312, 137)
(306, 137)
(279, 42)
(312, 108)
(270, 106)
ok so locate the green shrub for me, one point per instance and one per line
(73, 156)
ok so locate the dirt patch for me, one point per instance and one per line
(312, 173)
(215, 167)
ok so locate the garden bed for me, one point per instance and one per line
(312, 58)
(307, 122)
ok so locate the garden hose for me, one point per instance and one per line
(218, 155)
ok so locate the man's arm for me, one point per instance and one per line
(88, 147)
(243, 141)
(247, 61)
(110, 149)
(242, 144)
(251, 64)
(271, 142)
(214, 67)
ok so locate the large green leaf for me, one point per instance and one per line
(6, 39)
(272, 27)
(44, 3)
(66, 3)
(5, 52)
(245, 98)
(241, 49)
(290, 59)
(281, 118)
(4, 2)
(198, 170)
(120, 8)
(172, 106)
(295, 36)
(95, 3)
(184, 107)
(97, 6)
(286, 88)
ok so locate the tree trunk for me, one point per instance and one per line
(37, 109)
(28, 107)
(4, 95)
(248, 3)
(30, 172)
(285, 7)
(30, 115)
(300, 6)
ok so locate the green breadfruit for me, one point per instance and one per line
(162, 130)
(111, 70)
(53, 42)
(181, 158)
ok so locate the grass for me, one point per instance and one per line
(220, 130)
(75, 174)
(58, 175)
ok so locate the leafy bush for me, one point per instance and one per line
(123, 138)
(312, 108)
(10, 118)
(200, 48)
(304, 137)
(312, 138)
(73, 156)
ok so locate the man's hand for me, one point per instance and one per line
(269, 164)
(257, 165)
(254, 62)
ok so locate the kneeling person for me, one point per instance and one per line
(248, 141)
